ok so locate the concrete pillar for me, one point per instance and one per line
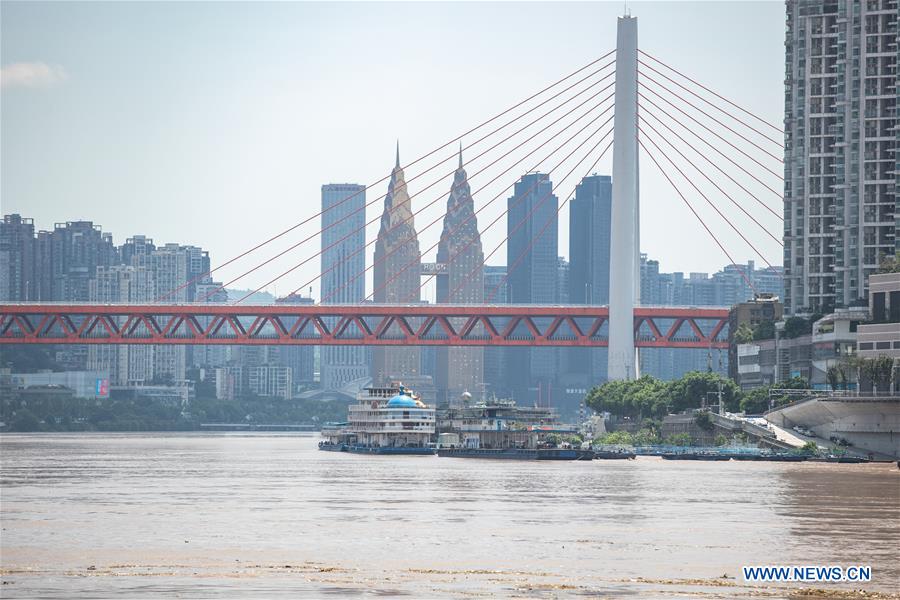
(624, 271)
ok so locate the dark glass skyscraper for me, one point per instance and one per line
(533, 278)
(589, 234)
(343, 260)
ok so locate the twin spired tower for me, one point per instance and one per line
(397, 243)
(625, 260)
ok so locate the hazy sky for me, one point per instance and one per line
(216, 123)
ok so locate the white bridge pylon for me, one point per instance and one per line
(625, 264)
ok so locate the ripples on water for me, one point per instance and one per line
(269, 515)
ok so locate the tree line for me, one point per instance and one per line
(649, 397)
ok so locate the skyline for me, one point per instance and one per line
(98, 187)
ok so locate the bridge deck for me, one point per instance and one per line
(366, 324)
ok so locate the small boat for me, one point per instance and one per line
(614, 454)
(840, 459)
(332, 447)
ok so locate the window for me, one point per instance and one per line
(865, 345)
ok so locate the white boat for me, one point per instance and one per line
(384, 420)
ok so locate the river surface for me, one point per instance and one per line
(243, 515)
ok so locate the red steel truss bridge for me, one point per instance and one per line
(371, 324)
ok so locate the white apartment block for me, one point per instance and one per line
(841, 135)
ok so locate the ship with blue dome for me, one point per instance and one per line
(384, 420)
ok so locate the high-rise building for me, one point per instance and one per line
(125, 363)
(459, 281)
(398, 267)
(71, 254)
(76, 249)
(562, 280)
(343, 280)
(177, 271)
(301, 359)
(840, 157)
(726, 287)
(18, 267)
(589, 224)
(590, 214)
(532, 260)
(269, 381)
(139, 245)
(212, 356)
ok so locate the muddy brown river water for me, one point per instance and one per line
(242, 515)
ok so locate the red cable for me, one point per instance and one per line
(722, 154)
(727, 141)
(689, 145)
(553, 218)
(696, 168)
(708, 201)
(395, 249)
(761, 120)
(709, 116)
(406, 184)
(293, 227)
(716, 106)
(715, 239)
(466, 220)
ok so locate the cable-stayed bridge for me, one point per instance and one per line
(707, 147)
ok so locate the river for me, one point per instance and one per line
(245, 515)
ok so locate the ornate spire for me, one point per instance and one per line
(460, 154)
(397, 163)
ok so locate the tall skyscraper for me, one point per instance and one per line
(76, 249)
(398, 267)
(589, 235)
(461, 281)
(18, 267)
(840, 158)
(343, 259)
(138, 245)
(533, 278)
(173, 266)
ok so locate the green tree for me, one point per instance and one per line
(755, 401)
(644, 397)
(743, 334)
(890, 264)
(696, 387)
(25, 420)
(721, 440)
(645, 437)
(884, 371)
(809, 448)
(764, 331)
(703, 420)
(620, 438)
(680, 439)
(794, 327)
(836, 376)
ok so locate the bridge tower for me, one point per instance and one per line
(625, 263)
